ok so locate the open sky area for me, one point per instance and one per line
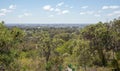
(58, 11)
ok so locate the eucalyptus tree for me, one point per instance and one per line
(9, 38)
(115, 42)
(82, 53)
(97, 35)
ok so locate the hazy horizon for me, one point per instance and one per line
(49, 23)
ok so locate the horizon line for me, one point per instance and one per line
(50, 23)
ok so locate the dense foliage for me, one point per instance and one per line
(94, 47)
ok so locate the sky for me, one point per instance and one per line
(58, 11)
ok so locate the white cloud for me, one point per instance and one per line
(105, 7)
(67, 6)
(2, 14)
(84, 7)
(110, 7)
(114, 13)
(24, 15)
(65, 11)
(51, 9)
(82, 13)
(60, 4)
(91, 13)
(57, 9)
(87, 12)
(48, 8)
(12, 7)
(114, 7)
(5, 10)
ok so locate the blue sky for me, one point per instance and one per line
(58, 11)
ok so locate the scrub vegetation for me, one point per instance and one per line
(95, 47)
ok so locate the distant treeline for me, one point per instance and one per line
(24, 26)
